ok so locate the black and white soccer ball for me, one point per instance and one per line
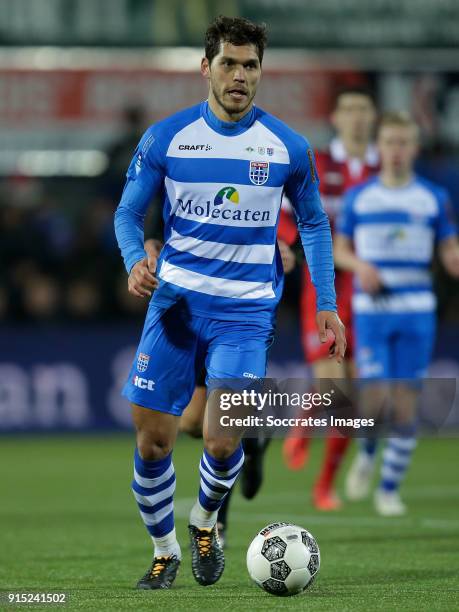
(283, 559)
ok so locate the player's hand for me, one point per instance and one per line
(153, 247)
(327, 319)
(369, 278)
(287, 255)
(141, 281)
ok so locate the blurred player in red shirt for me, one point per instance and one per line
(350, 159)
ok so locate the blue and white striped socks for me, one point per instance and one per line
(368, 446)
(153, 487)
(217, 478)
(397, 458)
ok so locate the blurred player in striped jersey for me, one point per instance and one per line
(350, 159)
(386, 235)
(221, 167)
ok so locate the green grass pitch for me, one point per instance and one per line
(68, 522)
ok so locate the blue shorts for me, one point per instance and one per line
(393, 345)
(176, 345)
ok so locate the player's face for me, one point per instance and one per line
(398, 147)
(233, 77)
(354, 117)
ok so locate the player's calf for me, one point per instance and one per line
(217, 478)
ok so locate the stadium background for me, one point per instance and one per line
(80, 81)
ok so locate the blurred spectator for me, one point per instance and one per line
(129, 304)
(83, 299)
(41, 297)
(133, 124)
(4, 302)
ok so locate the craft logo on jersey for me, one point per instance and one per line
(229, 193)
(259, 172)
(142, 362)
(195, 147)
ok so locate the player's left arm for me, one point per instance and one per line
(446, 234)
(315, 233)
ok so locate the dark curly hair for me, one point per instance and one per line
(237, 31)
(355, 90)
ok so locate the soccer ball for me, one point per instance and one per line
(283, 559)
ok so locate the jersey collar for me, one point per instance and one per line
(227, 128)
(338, 153)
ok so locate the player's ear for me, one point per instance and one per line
(205, 67)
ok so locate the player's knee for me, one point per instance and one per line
(221, 448)
(153, 446)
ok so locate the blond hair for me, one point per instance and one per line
(398, 119)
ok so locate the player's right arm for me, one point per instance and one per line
(343, 252)
(145, 177)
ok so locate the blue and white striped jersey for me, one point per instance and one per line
(396, 230)
(222, 185)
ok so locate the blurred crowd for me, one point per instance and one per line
(59, 260)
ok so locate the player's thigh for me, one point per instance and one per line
(237, 356)
(330, 376)
(162, 376)
(374, 399)
(156, 431)
(238, 350)
(329, 368)
(193, 416)
(373, 347)
(405, 402)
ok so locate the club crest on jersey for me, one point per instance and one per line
(142, 362)
(259, 172)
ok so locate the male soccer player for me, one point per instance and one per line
(192, 418)
(191, 422)
(394, 222)
(221, 166)
(350, 159)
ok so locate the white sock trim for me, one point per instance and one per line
(202, 518)
(167, 545)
